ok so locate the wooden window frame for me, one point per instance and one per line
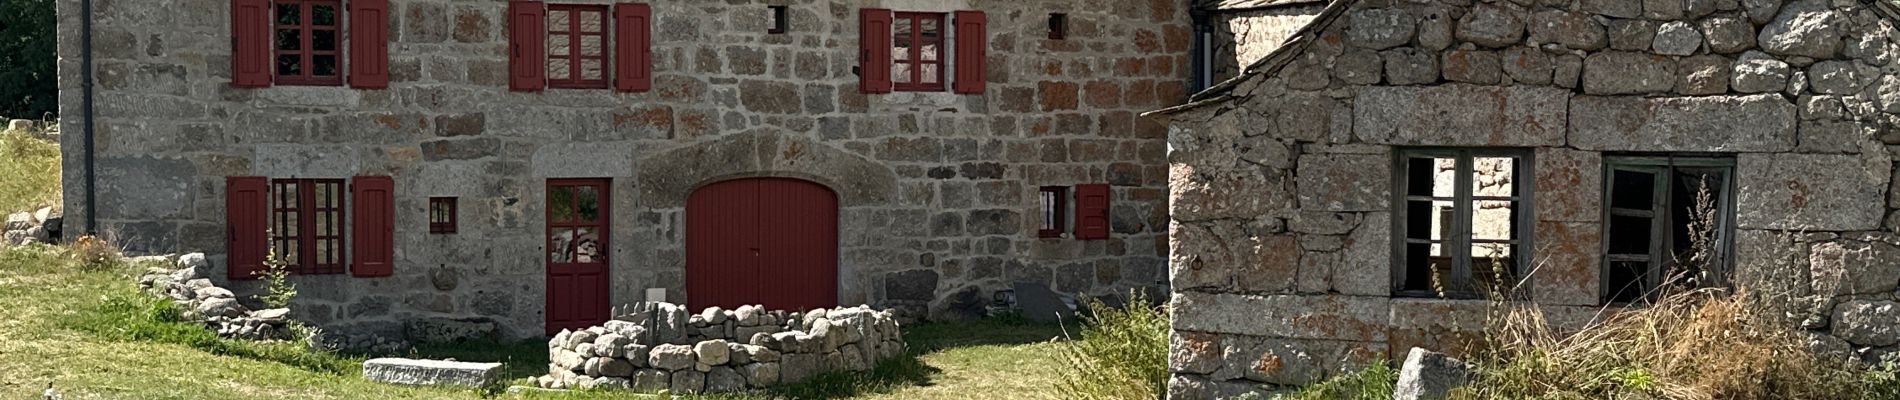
(307, 208)
(913, 55)
(446, 223)
(306, 49)
(1460, 240)
(779, 20)
(1055, 212)
(1662, 239)
(574, 35)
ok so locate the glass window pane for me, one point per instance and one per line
(590, 21)
(929, 73)
(289, 14)
(1633, 190)
(591, 70)
(587, 248)
(557, 21)
(1048, 211)
(561, 203)
(560, 245)
(558, 69)
(558, 45)
(590, 45)
(1494, 220)
(323, 40)
(1493, 176)
(289, 39)
(930, 26)
(324, 65)
(901, 30)
(289, 65)
(323, 14)
(587, 203)
(1629, 235)
(929, 52)
(900, 73)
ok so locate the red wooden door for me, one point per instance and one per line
(577, 251)
(767, 241)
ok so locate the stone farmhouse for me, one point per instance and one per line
(520, 167)
(1358, 191)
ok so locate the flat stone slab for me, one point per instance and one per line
(431, 372)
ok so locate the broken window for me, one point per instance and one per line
(1667, 222)
(1462, 220)
(307, 224)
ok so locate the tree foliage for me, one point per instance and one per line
(29, 84)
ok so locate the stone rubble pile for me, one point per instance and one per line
(655, 346)
(217, 307)
(42, 226)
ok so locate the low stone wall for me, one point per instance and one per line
(655, 346)
(42, 226)
(190, 285)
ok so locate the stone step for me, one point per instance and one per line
(432, 372)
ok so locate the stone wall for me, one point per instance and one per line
(202, 301)
(938, 190)
(1242, 37)
(41, 226)
(1281, 183)
(655, 346)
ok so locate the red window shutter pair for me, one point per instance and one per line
(874, 51)
(251, 39)
(247, 217)
(1091, 211)
(527, 46)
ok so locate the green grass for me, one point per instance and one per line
(94, 335)
(1373, 383)
(31, 168)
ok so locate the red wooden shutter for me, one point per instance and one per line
(527, 45)
(374, 223)
(972, 43)
(369, 44)
(874, 50)
(250, 43)
(1091, 211)
(246, 219)
(633, 47)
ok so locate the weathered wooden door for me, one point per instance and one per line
(577, 250)
(768, 241)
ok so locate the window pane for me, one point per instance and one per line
(929, 52)
(1633, 190)
(929, 73)
(1418, 178)
(900, 73)
(901, 30)
(590, 45)
(591, 70)
(1423, 262)
(1629, 235)
(557, 21)
(1048, 211)
(1429, 219)
(289, 14)
(323, 225)
(558, 45)
(587, 203)
(558, 69)
(590, 21)
(574, 245)
(323, 40)
(289, 39)
(323, 65)
(323, 252)
(561, 203)
(289, 65)
(1493, 220)
(323, 14)
(930, 26)
(1626, 280)
(1493, 176)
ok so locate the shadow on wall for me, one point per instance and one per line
(1246, 31)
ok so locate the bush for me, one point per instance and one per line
(1123, 353)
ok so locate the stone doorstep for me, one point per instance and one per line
(431, 372)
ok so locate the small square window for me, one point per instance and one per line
(1462, 220)
(1054, 200)
(442, 215)
(1058, 26)
(778, 20)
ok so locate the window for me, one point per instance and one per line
(1058, 26)
(1667, 221)
(577, 46)
(307, 224)
(778, 20)
(917, 52)
(305, 34)
(1461, 219)
(442, 215)
(1054, 203)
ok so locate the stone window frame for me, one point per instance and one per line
(576, 35)
(1458, 282)
(1662, 223)
(913, 55)
(305, 52)
(298, 198)
(442, 215)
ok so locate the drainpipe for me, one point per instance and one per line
(85, 86)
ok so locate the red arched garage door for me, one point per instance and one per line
(768, 241)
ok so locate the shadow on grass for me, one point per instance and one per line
(909, 370)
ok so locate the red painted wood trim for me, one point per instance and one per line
(527, 46)
(633, 27)
(246, 216)
(578, 294)
(369, 44)
(972, 52)
(1091, 211)
(250, 43)
(374, 225)
(874, 50)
